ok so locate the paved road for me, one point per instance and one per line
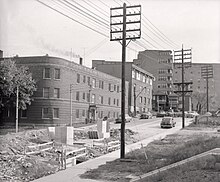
(149, 130)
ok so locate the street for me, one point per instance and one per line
(149, 127)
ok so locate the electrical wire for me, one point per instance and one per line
(72, 19)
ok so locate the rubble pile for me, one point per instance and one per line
(16, 166)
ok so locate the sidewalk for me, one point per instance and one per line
(72, 174)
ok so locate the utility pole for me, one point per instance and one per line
(206, 73)
(182, 55)
(123, 27)
(17, 99)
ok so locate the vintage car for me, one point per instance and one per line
(167, 122)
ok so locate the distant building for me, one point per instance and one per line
(193, 74)
(140, 83)
(62, 85)
(160, 64)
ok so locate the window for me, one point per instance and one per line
(84, 96)
(144, 78)
(109, 101)
(46, 73)
(46, 92)
(114, 101)
(56, 113)
(78, 78)
(93, 83)
(77, 113)
(84, 79)
(88, 80)
(138, 75)
(115, 88)
(93, 98)
(45, 113)
(101, 99)
(145, 100)
(88, 97)
(101, 84)
(77, 96)
(56, 93)
(117, 102)
(109, 87)
(83, 113)
(133, 73)
(109, 114)
(24, 113)
(118, 89)
(140, 99)
(57, 73)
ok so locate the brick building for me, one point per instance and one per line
(160, 64)
(140, 83)
(62, 85)
(193, 74)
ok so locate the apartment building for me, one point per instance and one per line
(160, 64)
(197, 100)
(67, 92)
(140, 83)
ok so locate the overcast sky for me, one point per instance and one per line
(29, 28)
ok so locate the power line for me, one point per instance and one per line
(104, 20)
(79, 10)
(160, 32)
(64, 8)
(73, 19)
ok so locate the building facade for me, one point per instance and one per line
(140, 83)
(160, 64)
(67, 93)
(197, 100)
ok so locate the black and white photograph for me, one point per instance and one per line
(110, 90)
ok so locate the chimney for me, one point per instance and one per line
(1, 54)
(80, 61)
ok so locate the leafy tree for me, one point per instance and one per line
(11, 78)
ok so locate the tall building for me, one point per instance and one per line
(160, 64)
(140, 83)
(199, 86)
(67, 90)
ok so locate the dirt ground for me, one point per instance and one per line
(16, 166)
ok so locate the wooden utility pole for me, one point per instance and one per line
(118, 32)
(182, 55)
(206, 73)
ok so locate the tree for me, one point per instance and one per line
(11, 78)
(200, 100)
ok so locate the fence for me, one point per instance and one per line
(34, 149)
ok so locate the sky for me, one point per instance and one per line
(29, 28)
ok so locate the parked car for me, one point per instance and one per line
(161, 114)
(191, 114)
(127, 119)
(147, 115)
(167, 122)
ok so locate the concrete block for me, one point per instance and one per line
(103, 128)
(64, 135)
(51, 132)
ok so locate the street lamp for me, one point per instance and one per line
(17, 99)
